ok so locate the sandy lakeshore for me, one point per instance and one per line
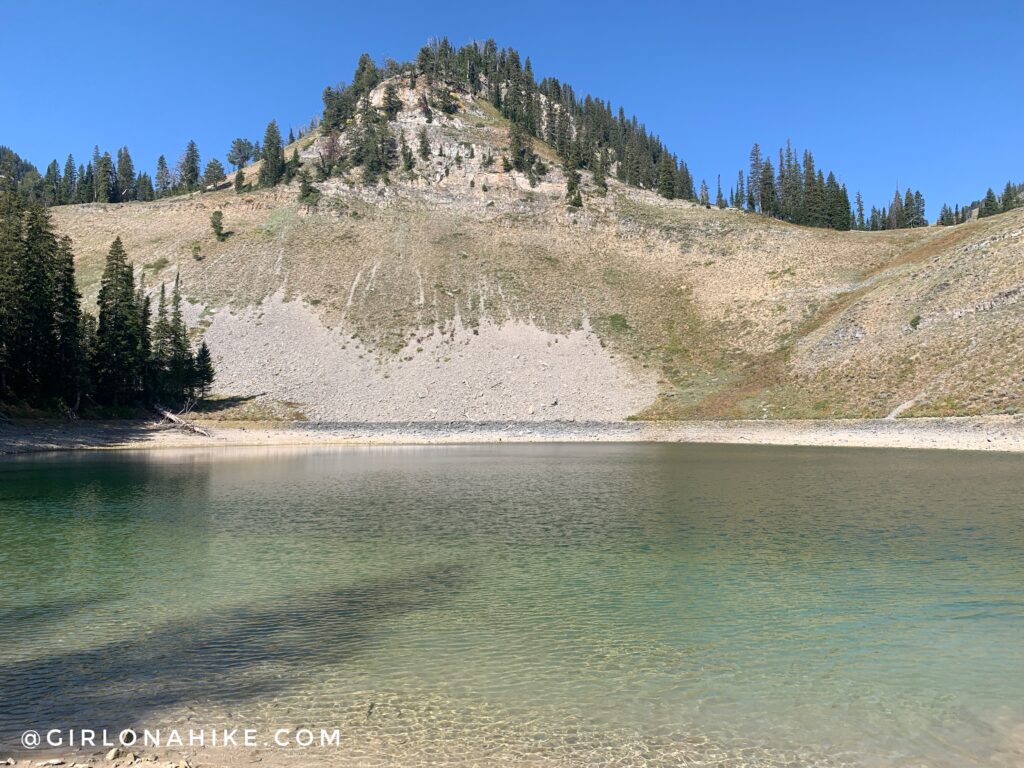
(992, 433)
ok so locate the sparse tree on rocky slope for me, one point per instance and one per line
(272, 157)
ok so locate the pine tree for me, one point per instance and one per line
(767, 193)
(600, 172)
(684, 184)
(118, 332)
(754, 177)
(239, 181)
(203, 374)
(424, 144)
(217, 225)
(69, 181)
(52, 187)
(292, 167)
(188, 168)
(860, 211)
(308, 194)
(163, 177)
(85, 191)
(161, 348)
(104, 179)
(719, 198)
(69, 354)
(832, 202)
(392, 103)
(125, 175)
(145, 341)
(989, 204)
(214, 173)
(570, 169)
(180, 360)
(408, 160)
(896, 218)
(366, 76)
(791, 186)
(704, 197)
(844, 216)
(10, 291)
(272, 165)
(144, 188)
(1009, 197)
(920, 220)
(28, 261)
(241, 153)
(667, 176)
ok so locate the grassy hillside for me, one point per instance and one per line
(728, 314)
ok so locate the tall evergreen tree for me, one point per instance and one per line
(69, 181)
(188, 168)
(85, 191)
(1010, 198)
(145, 341)
(144, 188)
(767, 190)
(813, 205)
(69, 359)
(104, 179)
(424, 144)
(408, 159)
(667, 176)
(204, 374)
(989, 204)
(755, 175)
(272, 159)
(163, 177)
(118, 332)
(125, 175)
(181, 363)
(684, 183)
(162, 346)
(52, 187)
(29, 332)
(392, 103)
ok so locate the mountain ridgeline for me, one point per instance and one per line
(586, 133)
(455, 240)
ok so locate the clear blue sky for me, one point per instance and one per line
(928, 93)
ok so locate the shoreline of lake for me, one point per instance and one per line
(982, 433)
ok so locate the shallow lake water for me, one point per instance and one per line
(546, 604)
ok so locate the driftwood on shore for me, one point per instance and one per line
(177, 421)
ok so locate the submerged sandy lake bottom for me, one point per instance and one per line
(626, 604)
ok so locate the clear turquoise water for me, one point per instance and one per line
(579, 604)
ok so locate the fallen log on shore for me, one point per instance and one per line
(181, 423)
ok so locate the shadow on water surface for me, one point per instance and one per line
(229, 658)
(23, 616)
